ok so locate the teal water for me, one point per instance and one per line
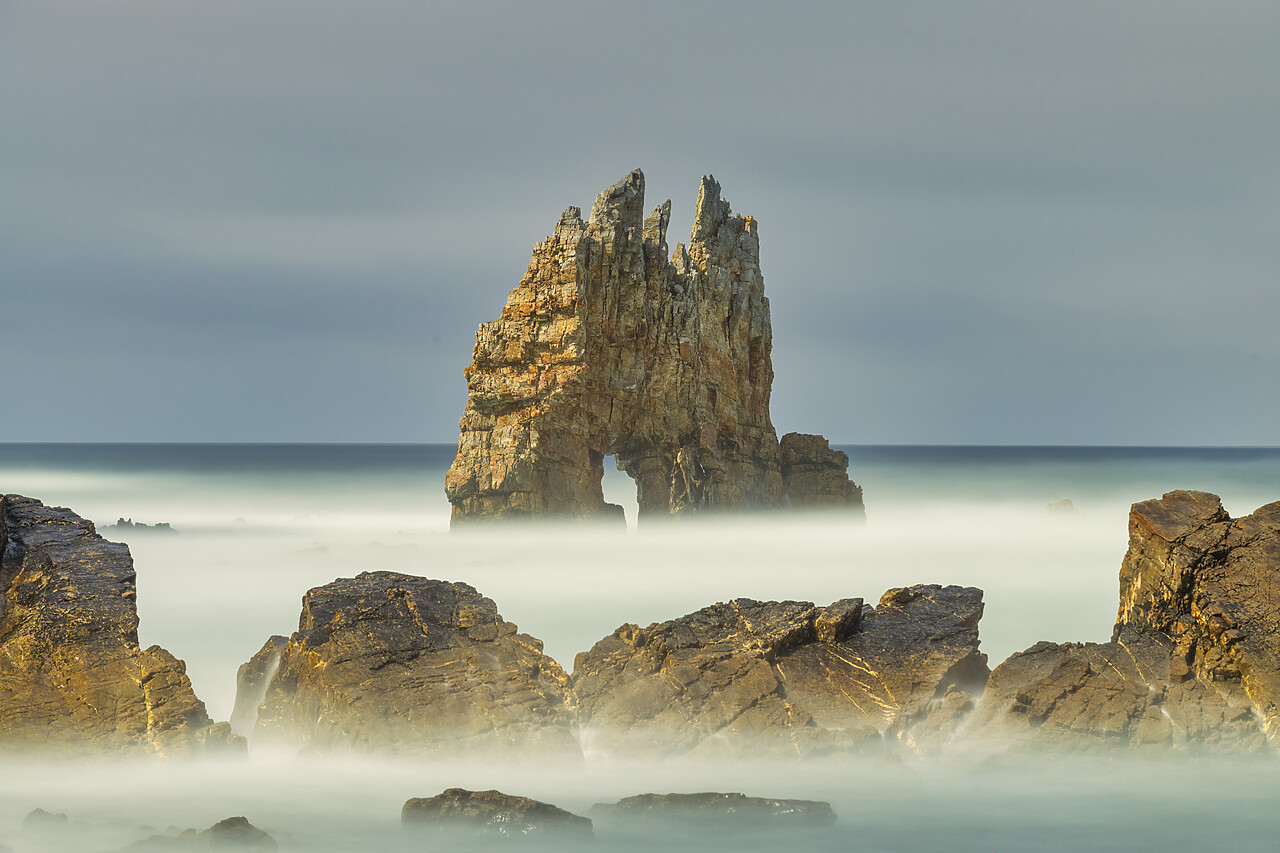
(257, 525)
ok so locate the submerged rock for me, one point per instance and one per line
(1194, 660)
(731, 809)
(751, 678)
(73, 679)
(387, 662)
(233, 833)
(493, 813)
(609, 346)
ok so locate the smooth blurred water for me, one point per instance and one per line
(258, 525)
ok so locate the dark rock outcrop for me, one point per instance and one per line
(493, 813)
(1194, 661)
(73, 679)
(814, 475)
(784, 678)
(386, 662)
(609, 346)
(233, 833)
(717, 809)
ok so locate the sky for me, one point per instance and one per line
(980, 222)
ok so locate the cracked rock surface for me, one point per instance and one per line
(1193, 662)
(387, 662)
(750, 678)
(611, 346)
(73, 678)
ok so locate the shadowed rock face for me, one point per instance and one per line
(1194, 659)
(609, 346)
(386, 662)
(752, 678)
(493, 813)
(73, 678)
(815, 476)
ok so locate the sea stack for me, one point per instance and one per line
(610, 346)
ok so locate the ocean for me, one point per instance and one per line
(255, 526)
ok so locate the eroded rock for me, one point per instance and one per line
(73, 678)
(1193, 662)
(609, 346)
(394, 663)
(493, 813)
(751, 678)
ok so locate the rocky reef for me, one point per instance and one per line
(1194, 660)
(73, 678)
(393, 663)
(608, 346)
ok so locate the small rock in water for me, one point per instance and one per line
(493, 813)
(232, 833)
(720, 808)
(43, 820)
(1062, 507)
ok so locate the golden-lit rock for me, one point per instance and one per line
(610, 347)
(1194, 660)
(73, 679)
(781, 679)
(399, 664)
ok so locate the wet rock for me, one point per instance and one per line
(387, 662)
(717, 809)
(610, 346)
(73, 679)
(493, 813)
(252, 679)
(749, 678)
(1194, 660)
(1062, 507)
(815, 476)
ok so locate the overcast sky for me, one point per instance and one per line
(980, 222)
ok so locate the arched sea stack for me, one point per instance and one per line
(608, 346)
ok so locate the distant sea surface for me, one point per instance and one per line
(256, 525)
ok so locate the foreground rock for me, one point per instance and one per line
(493, 813)
(609, 346)
(718, 809)
(73, 678)
(1194, 661)
(386, 662)
(782, 679)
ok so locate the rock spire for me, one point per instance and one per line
(608, 346)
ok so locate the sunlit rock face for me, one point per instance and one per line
(393, 663)
(609, 346)
(1194, 661)
(781, 679)
(73, 679)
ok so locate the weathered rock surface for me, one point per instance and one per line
(814, 475)
(1194, 661)
(609, 346)
(493, 813)
(387, 662)
(717, 808)
(73, 678)
(784, 678)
